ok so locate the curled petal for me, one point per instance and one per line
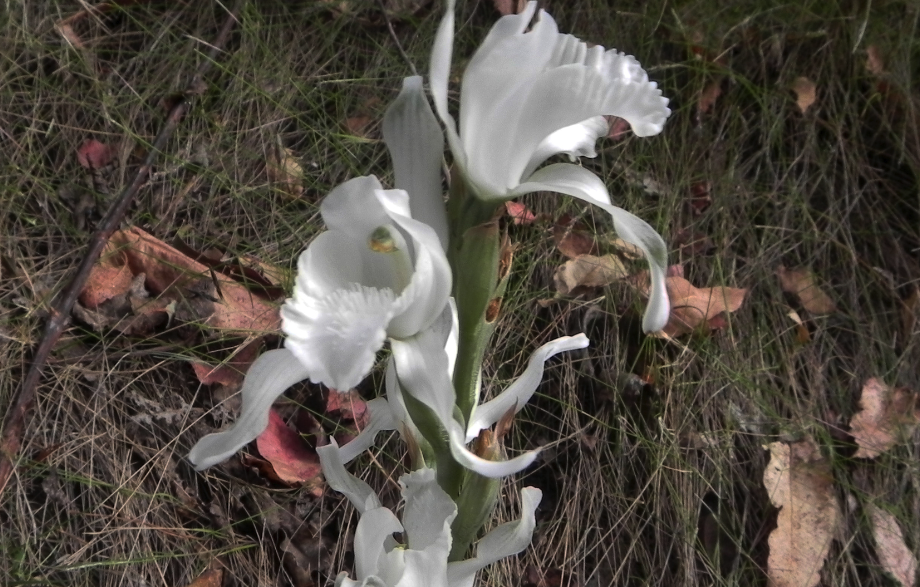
(381, 418)
(584, 185)
(506, 540)
(416, 143)
(530, 92)
(523, 388)
(270, 375)
(429, 510)
(357, 491)
(421, 367)
(371, 557)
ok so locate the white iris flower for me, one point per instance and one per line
(529, 93)
(422, 562)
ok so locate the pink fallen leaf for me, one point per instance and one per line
(95, 155)
(519, 213)
(232, 372)
(893, 554)
(349, 405)
(886, 416)
(290, 457)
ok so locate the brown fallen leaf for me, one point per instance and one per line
(588, 271)
(351, 409)
(290, 457)
(693, 307)
(700, 199)
(573, 238)
(285, 171)
(801, 284)
(799, 482)
(210, 578)
(874, 62)
(893, 554)
(805, 93)
(169, 273)
(886, 416)
(519, 213)
(708, 97)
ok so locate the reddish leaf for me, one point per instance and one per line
(170, 273)
(209, 578)
(519, 213)
(700, 199)
(108, 278)
(233, 371)
(506, 7)
(349, 405)
(290, 457)
(95, 155)
(618, 129)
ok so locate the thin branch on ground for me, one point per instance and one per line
(14, 423)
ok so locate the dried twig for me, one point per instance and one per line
(14, 423)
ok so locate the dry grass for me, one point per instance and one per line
(103, 495)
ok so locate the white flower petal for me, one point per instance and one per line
(357, 491)
(425, 298)
(506, 540)
(268, 377)
(429, 510)
(507, 60)
(530, 92)
(374, 527)
(353, 208)
(519, 393)
(439, 75)
(581, 183)
(421, 367)
(337, 337)
(577, 140)
(416, 143)
(381, 418)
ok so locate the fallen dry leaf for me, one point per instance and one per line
(169, 273)
(573, 238)
(801, 284)
(290, 457)
(708, 97)
(700, 199)
(285, 171)
(106, 280)
(693, 307)
(618, 128)
(805, 93)
(232, 372)
(506, 7)
(588, 271)
(874, 62)
(893, 554)
(799, 482)
(886, 416)
(209, 578)
(519, 213)
(95, 155)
